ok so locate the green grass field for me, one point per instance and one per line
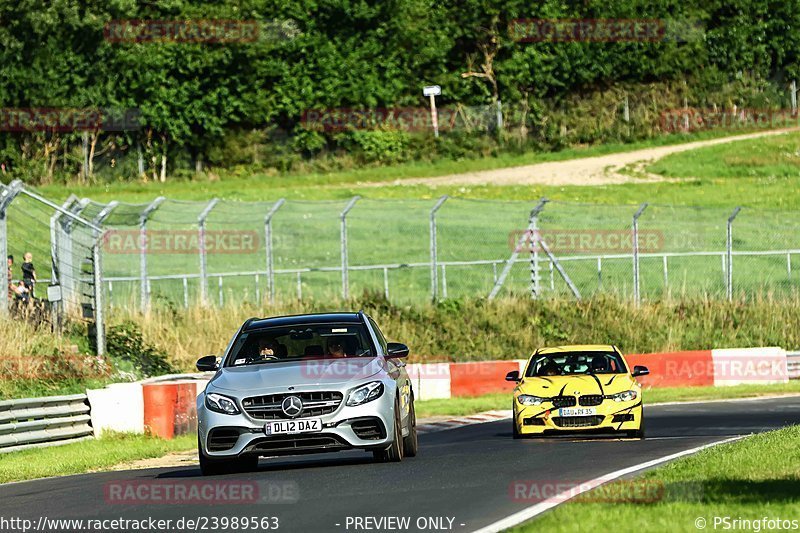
(747, 480)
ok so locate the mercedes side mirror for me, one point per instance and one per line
(207, 363)
(639, 370)
(513, 376)
(396, 350)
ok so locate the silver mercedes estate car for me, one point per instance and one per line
(303, 384)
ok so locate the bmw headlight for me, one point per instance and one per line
(221, 404)
(364, 393)
(527, 399)
(625, 396)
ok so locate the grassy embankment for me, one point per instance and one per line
(454, 330)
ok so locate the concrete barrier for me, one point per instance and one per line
(753, 366)
(117, 407)
(431, 381)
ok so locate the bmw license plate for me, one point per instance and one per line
(577, 411)
(303, 425)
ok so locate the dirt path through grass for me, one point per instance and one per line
(607, 169)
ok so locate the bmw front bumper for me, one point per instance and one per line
(610, 416)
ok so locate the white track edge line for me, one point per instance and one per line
(535, 510)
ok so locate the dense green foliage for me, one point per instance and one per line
(239, 104)
(125, 343)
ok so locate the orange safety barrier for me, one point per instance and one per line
(483, 377)
(675, 369)
(170, 409)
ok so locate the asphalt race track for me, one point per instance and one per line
(462, 474)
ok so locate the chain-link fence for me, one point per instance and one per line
(179, 253)
(54, 255)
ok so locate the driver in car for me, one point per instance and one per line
(267, 349)
(336, 348)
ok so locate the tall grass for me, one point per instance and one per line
(477, 329)
(35, 362)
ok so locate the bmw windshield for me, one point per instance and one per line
(301, 342)
(574, 363)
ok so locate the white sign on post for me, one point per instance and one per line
(433, 91)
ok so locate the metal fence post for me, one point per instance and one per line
(57, 263)
(729, 277)
(343, 218)
(533, 233)
(434, 250)
(7, 195)
(144, 294)
(268, 245)
(201, 245)
(514, 254)
(99, 316)
(637, 297)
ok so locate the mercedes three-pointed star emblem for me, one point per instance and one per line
(292, 406)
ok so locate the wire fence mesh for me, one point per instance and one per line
(181, 253)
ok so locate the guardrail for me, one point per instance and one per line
(793, 364)
(49, 421)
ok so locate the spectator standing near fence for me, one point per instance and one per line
(29, 273)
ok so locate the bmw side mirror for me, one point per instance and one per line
(396, 350)
(207, 363)
(513, 376)
(639, 370)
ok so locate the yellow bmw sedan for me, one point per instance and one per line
(587, 388)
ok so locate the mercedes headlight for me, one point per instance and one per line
(221, 404)
(625, 396)
(364, 393)
(527, 399)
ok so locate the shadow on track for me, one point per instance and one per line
(277, 465)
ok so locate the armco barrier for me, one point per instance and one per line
(48, 421)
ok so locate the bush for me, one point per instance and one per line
(126, 343)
